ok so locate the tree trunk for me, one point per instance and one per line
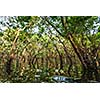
(84, 66)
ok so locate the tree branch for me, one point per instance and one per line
(46, 19)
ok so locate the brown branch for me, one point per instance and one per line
(46, 19)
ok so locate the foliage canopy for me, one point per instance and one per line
(34, 48)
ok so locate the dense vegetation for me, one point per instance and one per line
(34, 48)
